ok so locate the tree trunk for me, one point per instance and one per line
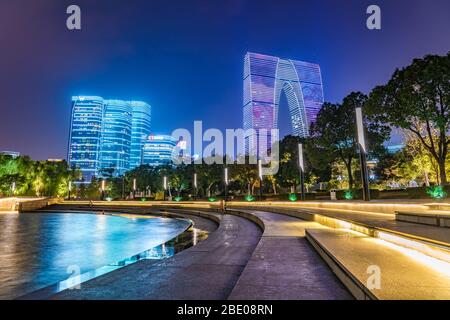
(442, 173)
(350, 175)
(274, 186)
(427, 179)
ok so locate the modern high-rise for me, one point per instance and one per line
(85, 134)
(265, 78)
(115, 143)
(102, 132)
(159, 150)
(140, 131)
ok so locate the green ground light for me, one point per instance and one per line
(348, 195)
(249, 198)
(178, 199)
(211, 199)
(436, 192)
(293, 197)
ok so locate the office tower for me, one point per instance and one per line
(85, 134)
(159, 150)
(140, 130)
(102, 132)
(116, 137)
(265, 77)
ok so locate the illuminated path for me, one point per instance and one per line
(285, 266)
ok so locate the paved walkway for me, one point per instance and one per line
(378, 220)
(208, 270)
(285, 266)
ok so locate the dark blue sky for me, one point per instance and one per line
(185, 57)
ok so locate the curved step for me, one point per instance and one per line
(375, 269)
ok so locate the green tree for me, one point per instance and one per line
(333, 135)
(417, 99)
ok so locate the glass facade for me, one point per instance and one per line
(101, 134)
(85, 134)
(159, 150)
(265, 77)
(140, 130)
(116, 136)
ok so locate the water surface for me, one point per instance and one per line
(39, 249)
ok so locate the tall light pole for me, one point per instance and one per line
(260, 178)
(165, 186)
(225, 176)
(134, 188)
(123, 187)
(70, 188)
(301, 165)
(362, 154)
(103, 189)
(195, 186)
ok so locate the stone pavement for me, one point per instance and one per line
(378, 220)
(284, 266)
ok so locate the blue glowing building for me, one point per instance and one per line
(140, 130)
(115, 143)
(159, 150)
(265, 78)
(103, 135)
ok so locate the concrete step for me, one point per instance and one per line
(438, 218)
(404, 274)
(438, 206)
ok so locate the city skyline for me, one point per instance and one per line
(107, 134)
(168, 56)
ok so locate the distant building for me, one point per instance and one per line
(102, 134)
(115, 142)
(140, 130)
(395, 148)
(265, 78)
(159, 150)
(13, 154)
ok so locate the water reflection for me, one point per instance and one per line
(36, 249)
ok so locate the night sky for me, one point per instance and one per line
(185, 57)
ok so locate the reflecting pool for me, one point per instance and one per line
(40, 249)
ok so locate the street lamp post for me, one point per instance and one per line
(195, 186)
(301, 165)
(103, 189)
(69, 188)
(165, 186)
(123, 187)
(226, 183)
(260, 178)
(362, 154)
